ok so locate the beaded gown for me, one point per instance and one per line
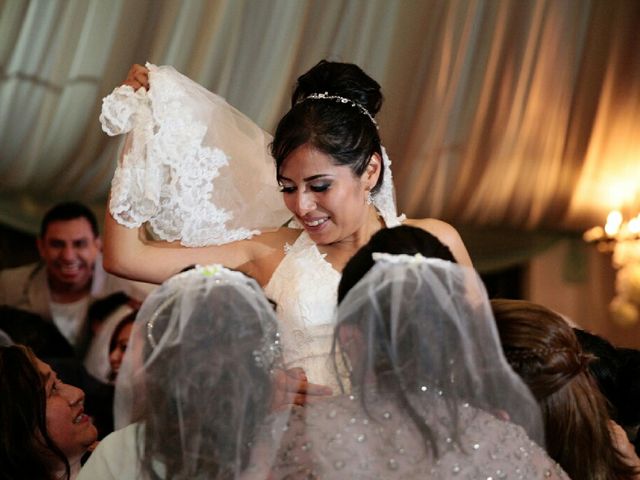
(338, 440)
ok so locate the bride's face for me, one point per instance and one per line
(327, 199)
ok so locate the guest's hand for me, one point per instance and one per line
(291, 387)
(138, 77)
(623, 445)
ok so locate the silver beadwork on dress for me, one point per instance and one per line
(422, 326)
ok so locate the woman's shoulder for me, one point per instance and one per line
(432, 225)
(446, 233)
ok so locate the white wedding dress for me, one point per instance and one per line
(199, 171)
(304, 287)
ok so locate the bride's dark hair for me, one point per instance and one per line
(334, 128)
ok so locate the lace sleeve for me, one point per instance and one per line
(193, 167)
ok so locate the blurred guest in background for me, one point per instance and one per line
(119, 342)
(104, 317)
(68, 277)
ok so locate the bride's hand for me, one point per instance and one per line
(291, 387)
(138, 77)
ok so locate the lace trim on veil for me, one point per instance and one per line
(196, 169)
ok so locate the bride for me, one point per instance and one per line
(329, 164)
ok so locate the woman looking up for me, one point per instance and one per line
(330, 166)
(45, 431)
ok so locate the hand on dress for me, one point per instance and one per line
(137, 77)
(291, 387)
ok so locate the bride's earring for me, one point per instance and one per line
(369, 197)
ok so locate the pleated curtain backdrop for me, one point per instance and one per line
(498, 113)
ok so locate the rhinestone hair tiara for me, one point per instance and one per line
(339, 99)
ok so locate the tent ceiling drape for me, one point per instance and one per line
(511, 113)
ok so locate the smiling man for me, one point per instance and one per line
(69, 275)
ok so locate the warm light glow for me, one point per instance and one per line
(614, 221)
(622, 239)
(634, 225)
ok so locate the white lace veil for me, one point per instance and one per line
(195, 168)
(197, 374)
(433, 396)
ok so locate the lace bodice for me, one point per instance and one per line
(305, 286)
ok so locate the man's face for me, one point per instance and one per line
(69, 250)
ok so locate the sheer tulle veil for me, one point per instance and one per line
(432, 395)
(197, 373)
(425, 326)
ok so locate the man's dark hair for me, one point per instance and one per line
(68, 211)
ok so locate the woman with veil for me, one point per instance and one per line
(196, 170)
(432, 395)
(199, 381)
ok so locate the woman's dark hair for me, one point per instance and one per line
(604, 366)
(203, 394)
(101, 309)
(396, 375)
(628, 387)
(542, 348)
(617, 372)
(30, 329)
(126, 320)
(26, 449)
(333, 127)
(398, 240)
(66, 211)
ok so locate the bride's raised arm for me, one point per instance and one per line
(127, 253)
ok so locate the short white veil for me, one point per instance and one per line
(197, 374)
(430, 323)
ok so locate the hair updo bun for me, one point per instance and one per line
(343, 79)
(336, 128)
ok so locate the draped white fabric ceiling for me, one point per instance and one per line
(512, 113)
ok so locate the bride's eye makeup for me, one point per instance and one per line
(321, 187)
(287, 188)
